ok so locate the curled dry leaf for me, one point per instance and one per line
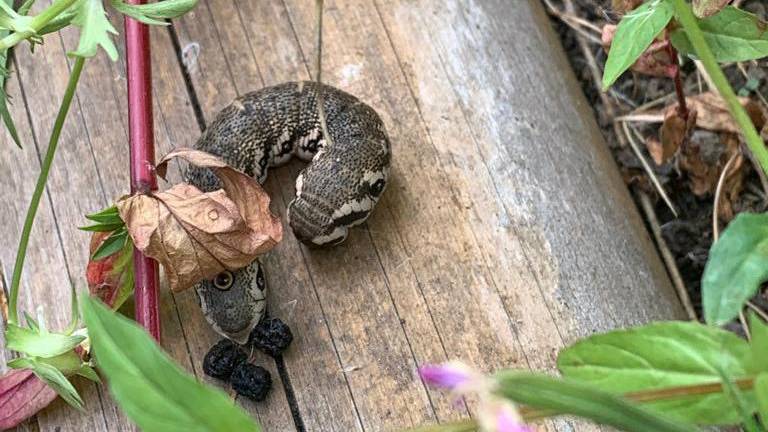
(707, 8)
(703, 159)
(22, 395)
(196, 235)
(713, 112)
(674, 132)
(624, 6)
(655, 60)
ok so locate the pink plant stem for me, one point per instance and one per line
(142, 151)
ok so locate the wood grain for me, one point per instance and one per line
(505, 234)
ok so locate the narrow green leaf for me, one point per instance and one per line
(39, 344)
(51, 376)
(635, 32)
(663, 355)
(61, 21)
(87, 372)
(155, 13)
(111, 244)
(57, 381)
(737, 265)
(102, 227)
(761, 391)
(109, 215)
(31, 322)
(571, 397)
(745, 409)
(95, 30)
(759, 343)
(74, 320)
(4, 112)
(733, 35)
(152, 390)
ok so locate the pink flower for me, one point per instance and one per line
(508, 422)
(451, 376)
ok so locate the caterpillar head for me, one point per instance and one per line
(326, 206)
(234, 302)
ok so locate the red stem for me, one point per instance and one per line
(682, 107)
(142, 151)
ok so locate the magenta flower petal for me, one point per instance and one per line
(508, 422)
(448, 375)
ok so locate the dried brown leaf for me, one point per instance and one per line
(674, 132)
(22, 395)
(707, 8)
(713, 112)
(624, 6)
(196, 235)
(734, 180)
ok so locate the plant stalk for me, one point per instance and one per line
(38, 22)
(21, 254)
(696, 36)
(142, 156)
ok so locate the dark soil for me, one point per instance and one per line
(689, 236)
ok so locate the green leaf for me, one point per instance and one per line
(94, 30)
(761, 391)
(31, 322)
(61, 21)
(571, 397)
(759, 343)
(87, 372)
(37, 344)
(124, 267)
(152, 390)
(635, 32)
(745, 409)
(733, 35)
(155, 13)
(664, 355)
(51, 376)
(102, 227)
(109, 215)
(737, 265)
(111, 245)
(4, 112)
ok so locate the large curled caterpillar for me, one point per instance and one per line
(337, 190)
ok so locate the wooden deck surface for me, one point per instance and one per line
(505, 233)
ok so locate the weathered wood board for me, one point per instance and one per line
(505, 234)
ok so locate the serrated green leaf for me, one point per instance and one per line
(95, 30)
(111, 245)
(635, 32)
(154, 13)
(565, 396)
(150, 388)
(733, 35)
(663, 355)
(124, 267)
(737, 265)
(37, 344)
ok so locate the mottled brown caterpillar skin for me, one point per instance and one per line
(345, 177)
